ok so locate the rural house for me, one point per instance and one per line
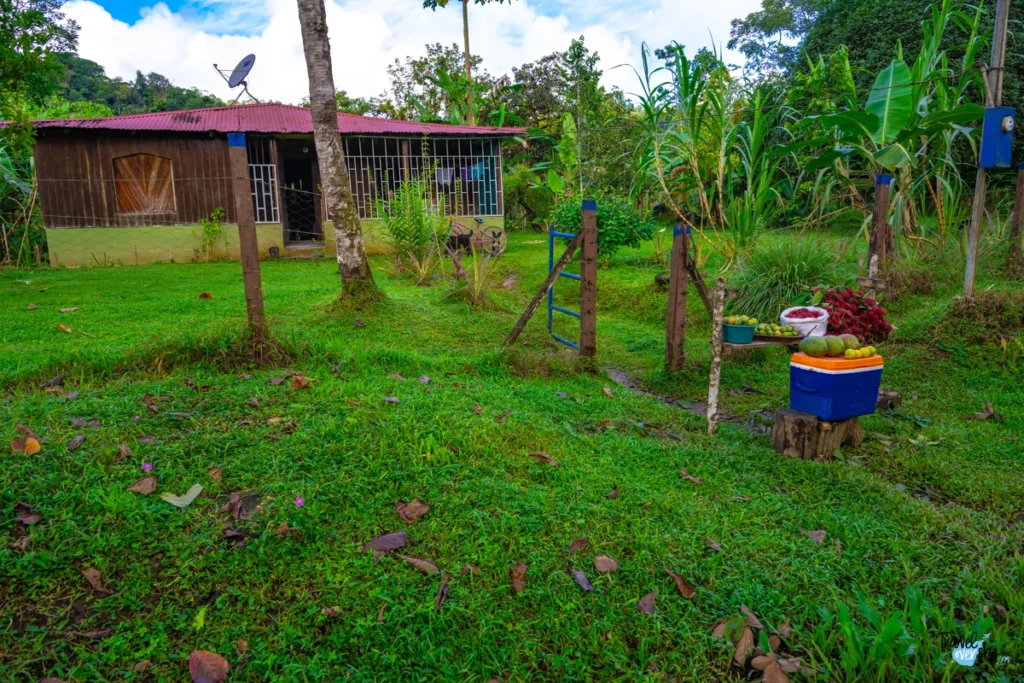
(144, 188)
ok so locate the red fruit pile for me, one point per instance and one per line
(803, 314)
(851, 312)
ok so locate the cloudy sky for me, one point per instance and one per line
(183, 39)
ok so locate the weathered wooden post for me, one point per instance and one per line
(248, 246)
(675, 329)
(588, 281)
(715, 376)
(880, 241)
(1017, 228)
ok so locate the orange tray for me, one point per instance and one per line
(836, 363)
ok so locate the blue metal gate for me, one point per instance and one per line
(552, 308)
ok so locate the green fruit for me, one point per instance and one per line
(815, 347)
(850, 341)
(836, 347)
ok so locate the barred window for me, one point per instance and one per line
(144, 183)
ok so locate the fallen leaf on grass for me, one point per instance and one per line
(205, 295)
(98, 634)
(744, 646)
(150, 402)
(207, 667)
(751, 620)
(95, 580)
(773, 673)
(216, 472)
(425, 566)
(72, 309)
(358, 322)
(185, 500)
(442, 592)
(63, 328)
(300, 382)
(581, 580)
(240, 647)
(31, 307)
(395, 376)
(478, 409)
(391, 399)
(380, 612)
(332, 612)
(26, 515)
(382, 544)
(683, 474)
(143, 667)
(711, 544)
(518, 576)
(743, 499)
(605, 564)
(469, 569)
(123, 452)
(579, 544)
(20, 544)
(75, 443)
(987, 411)
(57, 381)
(604, 425)
(274, 381)
(607, 392)
(684, 588)
(70, 396)
(282, 530)
(543, 457)
(254, 402)
(500, 419)
(148, 439)
(424, 379)
(411, 512)
(817, 535)
(784, 629)
(26, 446)
(144, 486)
(646, 603)
(614, 493)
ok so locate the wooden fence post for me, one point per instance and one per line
(880, 241)
(588, 281)
(1017, 227)
(675, 328)
(715, 376)
(248, 246)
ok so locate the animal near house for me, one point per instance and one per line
(144, 188)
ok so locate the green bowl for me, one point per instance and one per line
(737, 334)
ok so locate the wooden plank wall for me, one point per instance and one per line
(76, 184)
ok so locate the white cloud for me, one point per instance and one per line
(367, 36)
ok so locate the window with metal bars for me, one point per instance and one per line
(263, 179)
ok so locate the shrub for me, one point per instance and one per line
(415, 227)
(775, 273)
(619, 224)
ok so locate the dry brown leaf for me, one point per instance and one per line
(425, 566)
(143, 667)
(684, 588)
(646, 603)
(26, 432)
(411, 512)
(607, 392)
(469, 569)
(95, 580)
(275, 381)
(774, 642)
(761, 662)
(63, 328)
(216, 472)
(254, 402)
(784, 629)
(207, 667)
(75, 443)
(751, 620)
(282, 530)
(774, 674)
(300, 382)
(518, 576)
(744, 647)
(477, 409)
(240, 647)
(26, 515)
(791, 664)
(31, 307)
(380, 612)
(605, 564)
(581, 580)
(26, 446)
(123, 452)
(711, 544)
(579, 544)
(72, 309)
(332, 612)
(97, 634)
(743, 499)
(387, 542)
(543, 457)
(205, 295)
(500, 419)
(718, 630)
(817, 535)
(604, 425)
(395, 376)
(614, 493)
(20, 544)
(442, 591)
(144, 486)
(689, 477)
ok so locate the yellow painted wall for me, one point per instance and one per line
(83, 247)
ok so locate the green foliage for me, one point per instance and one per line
(775, 273)
(31, 31)
(210, 230)
(415, 227)
(619, 223)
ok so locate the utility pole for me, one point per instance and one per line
(993, 77)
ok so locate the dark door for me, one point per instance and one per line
(300, 199)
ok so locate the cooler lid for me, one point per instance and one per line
(837, 364)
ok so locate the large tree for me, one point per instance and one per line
(356, 276)
(31, 32)
(770, 38)
(468, 64)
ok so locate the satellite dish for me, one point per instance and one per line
(238, 76)
(241, 71)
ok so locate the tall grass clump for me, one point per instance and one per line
(775, 272)
(415, 227)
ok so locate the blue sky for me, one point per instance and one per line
(183, 38)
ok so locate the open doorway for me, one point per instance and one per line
(300, 192)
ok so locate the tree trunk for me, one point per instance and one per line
(471, 115)
(352, 265)
(715, 377)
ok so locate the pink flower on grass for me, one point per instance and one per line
(137, 418)
(147, 466)
(300, 501)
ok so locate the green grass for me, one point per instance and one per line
(942, 519)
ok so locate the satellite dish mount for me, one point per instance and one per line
(236, 77)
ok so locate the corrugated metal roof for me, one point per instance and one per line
(265, 118)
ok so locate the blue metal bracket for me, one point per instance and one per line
(236, 139)
(552, 236)
(997, 138)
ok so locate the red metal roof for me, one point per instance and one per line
(265, 118)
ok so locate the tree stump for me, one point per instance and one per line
(801, 435)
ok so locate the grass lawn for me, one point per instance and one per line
(923, 522)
